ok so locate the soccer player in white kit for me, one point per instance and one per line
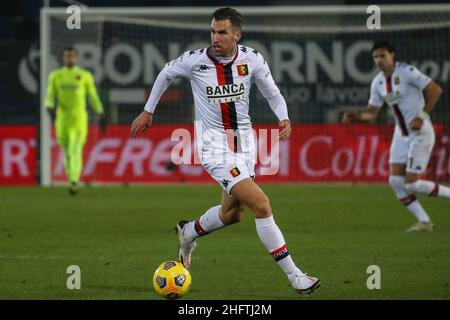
(401, 86)
(221, 77)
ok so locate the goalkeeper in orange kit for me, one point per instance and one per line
(67, 90)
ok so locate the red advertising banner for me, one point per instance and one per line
(17, 155)
(315, 153)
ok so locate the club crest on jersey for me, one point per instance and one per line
(225, 93)
(242, 70)
(235, 172)
(397, 80)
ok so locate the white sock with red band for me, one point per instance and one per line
(273, 240)
(206, 223)
(429, 188)
(417, 210)
(408, 199)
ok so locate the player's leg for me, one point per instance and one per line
(67, 161)
(413, 183)
(409, 200)
(63, 137)
(230, 211)
(251, 195)
(397, 160)
(77, 150)
(418, 158)
(75, 144)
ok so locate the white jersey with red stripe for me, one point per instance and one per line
(221, 90)
(403, 91)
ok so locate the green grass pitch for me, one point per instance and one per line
(119, 235)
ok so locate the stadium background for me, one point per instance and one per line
(320, 150)
(119, 235)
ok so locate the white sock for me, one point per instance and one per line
(413, 205)
(206, 223)
(398, 184)
(438, 190)
(273, 240)
(429, 188)
(409, 200)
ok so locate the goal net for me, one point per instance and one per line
(318, 55)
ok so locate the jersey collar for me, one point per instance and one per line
(216, 61)
(74, 68)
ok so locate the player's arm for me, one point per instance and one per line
(95, 102)
(266, 85)
(421, 81)
(179, 67)
(432, 92)
(50, 97)
(368, 114)
(144, 120)
(92, 94)
(373, 107)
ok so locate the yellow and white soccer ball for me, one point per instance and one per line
(171, 280)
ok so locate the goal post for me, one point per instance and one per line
(319, 56)
(45, 122)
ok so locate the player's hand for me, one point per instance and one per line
(141, 123)
(349, 116)
(285, 129)
(416, 123)
(103, 122)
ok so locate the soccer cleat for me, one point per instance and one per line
(73, 190)
(302, 283)
(186, 246)
(421, 226)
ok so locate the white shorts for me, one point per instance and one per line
(413, 150)
(221, 162)
(228, 174)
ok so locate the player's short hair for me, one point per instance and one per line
(229, 13)
(71, 48)
(383, 44)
